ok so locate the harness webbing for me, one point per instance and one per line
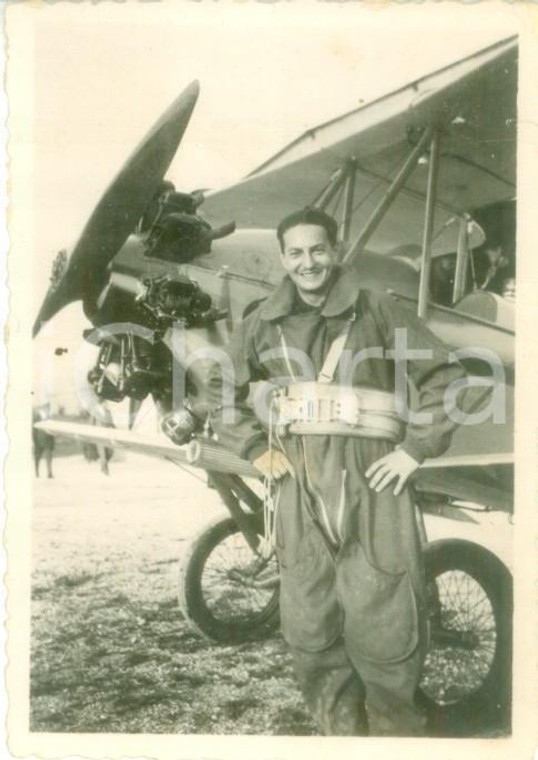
(326, 375)
(328, 371)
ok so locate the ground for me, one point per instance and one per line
(110, 649)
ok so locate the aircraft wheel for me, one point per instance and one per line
(467, 674)
(226, 592)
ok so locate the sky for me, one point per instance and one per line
(102, 75)
(100, 85)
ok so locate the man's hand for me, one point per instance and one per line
(273, 464)
(398, 464)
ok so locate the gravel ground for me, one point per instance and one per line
(110, 649)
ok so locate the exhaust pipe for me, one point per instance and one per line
(211, 455)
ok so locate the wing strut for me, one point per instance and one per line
(328, 193)
(349, 193)
(462, 259)
(343, 178)
(425, 266)
(390, 194)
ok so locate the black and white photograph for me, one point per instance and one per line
(264, 428)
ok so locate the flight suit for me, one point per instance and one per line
(352, 589)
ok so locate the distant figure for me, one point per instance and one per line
(495, 260)
(94, 451)
(509, 289)
(43, 443)
(497, 270)
(442, 276)
(105, 455)
(89, 451)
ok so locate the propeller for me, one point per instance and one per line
(118, 212)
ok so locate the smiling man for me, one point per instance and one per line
(308, 256)
(352, 596)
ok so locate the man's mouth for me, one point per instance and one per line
(311, 274)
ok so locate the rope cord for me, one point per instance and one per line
(271, 496)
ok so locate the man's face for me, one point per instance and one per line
(308, 257)
(496, 256)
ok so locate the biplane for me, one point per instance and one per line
(422, 182)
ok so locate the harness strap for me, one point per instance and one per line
(327, 372)
(285, 352)
(326, 375)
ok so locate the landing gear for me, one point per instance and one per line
(231, 595)
(467, 673)
(226, 591)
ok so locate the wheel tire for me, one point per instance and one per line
(220, 608)
(467, 688)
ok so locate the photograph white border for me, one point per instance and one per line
(18, 472)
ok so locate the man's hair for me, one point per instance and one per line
(308, 215)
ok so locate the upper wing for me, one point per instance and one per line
(473, 103)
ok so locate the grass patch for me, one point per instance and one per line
(73, 581)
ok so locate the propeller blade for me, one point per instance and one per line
(119, 210)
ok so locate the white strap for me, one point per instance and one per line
(285, 352)
(327, 372)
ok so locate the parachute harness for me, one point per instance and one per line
(271, 494)
(271, 489)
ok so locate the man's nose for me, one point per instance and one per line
(308, 259)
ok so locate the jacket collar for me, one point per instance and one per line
(342, 296)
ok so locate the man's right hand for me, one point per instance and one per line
(274, 464)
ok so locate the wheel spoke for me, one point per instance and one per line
(224, 581)
(461, 606)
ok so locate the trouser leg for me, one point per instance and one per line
(390, 696)
(353, 628)
(103, 459)
(48, 456)
(332, 690)
(312, 622)
(385, 635)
